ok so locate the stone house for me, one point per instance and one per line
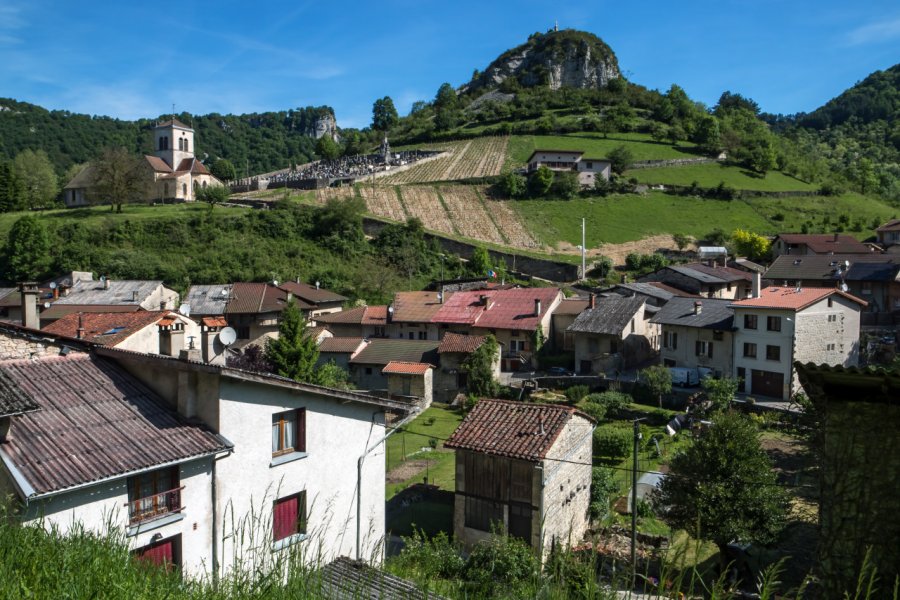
(359, 322)
(172, 173)
(787, 325)
(889, 233)
(613, 333)
(697, 334)
(588, 169)
(563, 316)
(452, 377)
(189, 459)
(411, 381)
(803, 244)
(525, 468)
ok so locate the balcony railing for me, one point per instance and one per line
(157, 505)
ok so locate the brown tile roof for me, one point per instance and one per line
(173, 122)
(158, 164)
(417, 307)
(311, 293)
(515, 429)
(457, 342)
(509, 309)
(107, 329)
(58, 311)
(571, 306)
(361, 315)
(823, 243)
(398, 367)
(95, 421)
(382, 351)
(792, 298)
(214, 322)
(341, 345)
(259, 298)
(892, 225)
(192, 165)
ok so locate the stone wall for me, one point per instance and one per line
(15, 345)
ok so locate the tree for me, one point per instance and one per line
(512, 185)
(566, 185)
(327, 148)
(293, 354)
(223, 169)
(749, 244)
(10, 188)
(37, 179)
(681, 240)
(620, 158)
(119, 177)
(723, 487)
(658, 379)
(384, 114)
(27, 250)
(540, 181)
(213, 194)
(480, 263)
(720, 392)
(707, 134)
(480, 368)
(446, 98)
(659, 131)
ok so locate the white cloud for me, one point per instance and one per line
(874, 33)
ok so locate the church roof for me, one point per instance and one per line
(158, 164)
(192, 165)
(173, 123)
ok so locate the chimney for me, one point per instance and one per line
(79, 333)
(134, 295)
(290, 297)
(592, 301)
(698, 307)
(213, 350)
(835, 238)
(29, 291)
(537, 307)
(171, 339)
(106, 283)
(56, 293)
(756, 285)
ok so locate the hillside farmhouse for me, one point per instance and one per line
(588, 169)
(172, 172)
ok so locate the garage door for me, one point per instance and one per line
(164, 553)
(766, 383)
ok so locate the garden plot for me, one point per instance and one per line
(511, 224)
(469, 215)
(383, 201)
(423, 202)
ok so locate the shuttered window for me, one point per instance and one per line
(289, 516)
(289, 432)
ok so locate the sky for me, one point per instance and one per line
(136, 59)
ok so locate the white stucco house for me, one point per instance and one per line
(204, 467)
(784, 325)
(588, 169)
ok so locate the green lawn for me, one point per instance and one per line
(595, 145)
(710, 175)
(413, 444)
(862, 212)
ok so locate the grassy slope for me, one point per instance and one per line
(710, 175)
(441, 470)
(595, 145)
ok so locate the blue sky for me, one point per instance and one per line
(135, 59)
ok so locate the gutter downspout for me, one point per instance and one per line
(215, 519)
(359, 465)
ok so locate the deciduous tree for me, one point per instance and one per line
(658, 379)
(119, 177)
(37, 179)
(27, 250)
(620, 158)
(223, 169)
(384, 114)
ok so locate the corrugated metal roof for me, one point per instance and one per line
(714, 314)
(792, 298)
(457, 342)
(346, 579)
(108, 329)
(383, 351)
(508, 309)
(119, 292)
(398, 367)
(609, 316)
(95, 421)
(208, 299)
(515, 429)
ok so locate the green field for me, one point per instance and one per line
(618, 219)
(412, 443)
(710, 175)
(596, 146)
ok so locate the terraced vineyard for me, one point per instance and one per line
(479, 157)
(468, 213)
(423, 202)
(383, 201)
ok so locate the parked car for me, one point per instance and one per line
(559, 372)
(684, 376)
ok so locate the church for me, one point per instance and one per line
(173, 173)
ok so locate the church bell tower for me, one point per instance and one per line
(173, 141)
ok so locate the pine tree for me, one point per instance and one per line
(294, 353)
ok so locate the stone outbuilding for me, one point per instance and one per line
(523, 468)
(613, 333)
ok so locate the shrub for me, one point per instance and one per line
(612, 443)
(501, 561)
(603, 485)
(613, 403)
(576, 392)
(431, 558)
(597, 411)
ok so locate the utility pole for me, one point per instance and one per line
(583, 251)
(634, 478)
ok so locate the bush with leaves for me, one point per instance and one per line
(480, 368)
(720, 392)
(539, 182)
(575, 393)
(430, 558)
(603, 486)
(611, 442)
(501, 563)
(512, 185)
(613, 403)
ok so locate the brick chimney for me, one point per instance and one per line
(29, 291)
(171, 339)
(79, 333)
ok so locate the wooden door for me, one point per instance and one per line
(767, 383)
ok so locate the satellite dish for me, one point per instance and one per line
(102, 278)
(844, 287)
(227, 336)
(185, 309)
(46, 305)
(52, 285)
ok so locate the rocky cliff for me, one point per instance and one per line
(556, 59)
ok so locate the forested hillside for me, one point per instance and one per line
(259, 141)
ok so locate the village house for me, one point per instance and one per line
(452, 377)
(359, 322)
(410, 380)
(201, 466)
(148, 295)
(340, 350)
(889, 234)
(697, 334)
(613, 333)
(804, 244)
(519, 318)
(368, 364)
(707, 280)
(172, 173)
(411, 315)
(588, 169)
(563, 316)
(525, 468)
(786, 325)
(150, 332)
(654, 292)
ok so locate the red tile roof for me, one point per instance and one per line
(507, 309)
(515, 429)
(417, 307)
(158, 164)
(673, 290)
(361, 315)
(457, 342)
(95, 421)
(214, 322)
(791, 299)
(107, 329)
(397, 367)
(822, 243)
(341, 345)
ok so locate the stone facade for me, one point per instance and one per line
(19, 345)
(415, 386)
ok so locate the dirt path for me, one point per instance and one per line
(401, 473)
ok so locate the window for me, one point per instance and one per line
(830, 302)
(184, 190)
(702, 348)
(832, 318)
(749, 321)
(632, 325)
(153, 494)
(289, 432)
(289, 517)
(368, 370)
(412, 335)
(773, 323)
(423, 335)
(773, 352)
(749, 350)
(186, 149)
(829, 347)
(480, 514)
(180, 144)
(670, 340)
(718, 336)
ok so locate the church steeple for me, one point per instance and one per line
(173, 141)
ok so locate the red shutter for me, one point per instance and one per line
(300, 444)
(285, 518)
(158, 554)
